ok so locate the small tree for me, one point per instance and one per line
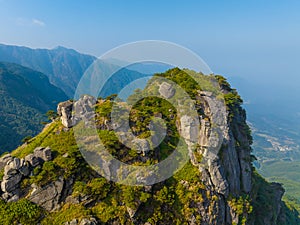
(26, 139)
(51, 115)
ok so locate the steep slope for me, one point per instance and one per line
(213, 187)
(275, 130)
(63, 66)
(25, 96)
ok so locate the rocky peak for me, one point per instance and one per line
(218, 186)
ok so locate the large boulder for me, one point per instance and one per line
(166, 90)
(24, 168)
(4, 160)
(32, 160)
(14, 170)
(72, 112)
(10, 184)
(44, 154)
(48, 197)
(64, 110)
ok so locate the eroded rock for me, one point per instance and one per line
(4, 160)
(166, 90)
(44, 154)
(11, 183)
(64, 110)
(32, 160)
(72, 112)
(48, 197)
(141, 145)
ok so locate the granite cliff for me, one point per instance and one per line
(218, 185)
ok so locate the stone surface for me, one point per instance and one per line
(189, 128)
(91, 221)
(32, 160)
(11, 183)
(84, 221)
(166, 90)
(72, 112)
(4, 160)
(74, 222)
(131, 211)
(12, 167)
(141, 145)
(24, 168)
(64, 110)
(44, 154)
(48, 197)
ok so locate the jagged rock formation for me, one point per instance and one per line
(225, 167)
(83, 111)
(49, 196)
(16, 169)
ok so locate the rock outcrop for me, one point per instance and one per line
(218, 187)
(72, 112)
(166, 90)
(49, 196)
(16, 169)
(64, 110)
(221, 139)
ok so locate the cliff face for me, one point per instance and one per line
(227, 171)
(218, 186)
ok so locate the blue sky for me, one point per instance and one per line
(257, 40)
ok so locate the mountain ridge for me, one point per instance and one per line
(228, 191)
(64, 67)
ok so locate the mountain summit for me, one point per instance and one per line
(48, 181)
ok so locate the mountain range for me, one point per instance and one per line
(64, 67)
(33, 81)
(25, 96)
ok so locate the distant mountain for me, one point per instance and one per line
(63, 66)
(120, 75)
(25, 96)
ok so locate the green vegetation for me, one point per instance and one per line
(98, 187)
(286, 173)
(264, 198)
(177, 200)
(21, 212)
(66, 214)
(242, 207)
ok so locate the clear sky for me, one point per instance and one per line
(251, 39)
